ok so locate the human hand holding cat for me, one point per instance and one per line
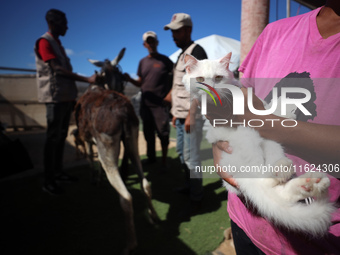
(223, 146)
(218, 148)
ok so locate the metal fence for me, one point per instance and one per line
(19, 106)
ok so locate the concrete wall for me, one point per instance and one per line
(18, 102)
(19, 107)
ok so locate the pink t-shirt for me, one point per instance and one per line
(293, 47)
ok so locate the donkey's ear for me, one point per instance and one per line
(226, 60)
(118, 58)
(96, 62)
(190, 62)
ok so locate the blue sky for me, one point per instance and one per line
(100, 29)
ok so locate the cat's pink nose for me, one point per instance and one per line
(306, 188)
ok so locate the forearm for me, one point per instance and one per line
(315, 143)
(312, 142)
(71, 75)
(168, 98)
(137, 83)
(190, 120)
(59, 70)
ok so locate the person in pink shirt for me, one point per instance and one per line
(305, 47)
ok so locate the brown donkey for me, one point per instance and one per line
(105, 118)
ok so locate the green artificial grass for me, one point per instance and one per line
(88, 219)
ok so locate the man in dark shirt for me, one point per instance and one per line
(154, 72)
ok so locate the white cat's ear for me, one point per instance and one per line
(190, 62)
(226, 60)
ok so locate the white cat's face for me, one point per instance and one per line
(200, 73)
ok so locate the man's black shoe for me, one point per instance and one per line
(148, 161)
(191, 209)
(52, 189)
(64, 177)
(182, 190)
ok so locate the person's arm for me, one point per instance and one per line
(47, 54)
(167, 101)
(170, 67)
(137, 83)
(59, 70)
(190, 119)
(312, 142)
(315, 143)
(167, 98)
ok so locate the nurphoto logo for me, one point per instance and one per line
(277, 103)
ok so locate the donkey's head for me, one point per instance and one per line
(110, 73)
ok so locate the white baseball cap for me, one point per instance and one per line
(179, 20)
(149, 34)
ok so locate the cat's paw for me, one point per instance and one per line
(286, 169)
(313, 184)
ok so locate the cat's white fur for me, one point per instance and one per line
(275, 194)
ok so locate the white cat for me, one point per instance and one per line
(296, 203)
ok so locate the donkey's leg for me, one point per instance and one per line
(124, 170)
(90, 155)
(108, 153)
(89, 151)
(95, 171)
(131, 143)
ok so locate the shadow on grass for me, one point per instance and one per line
(87, 219)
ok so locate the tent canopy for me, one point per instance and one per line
(217, 46)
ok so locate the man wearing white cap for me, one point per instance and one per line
(189, 131)
(153, 74)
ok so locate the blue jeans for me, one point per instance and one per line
(188, 148)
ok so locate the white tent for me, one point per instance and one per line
(217, 46)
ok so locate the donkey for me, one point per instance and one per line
(105, 118)
(110, 77)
